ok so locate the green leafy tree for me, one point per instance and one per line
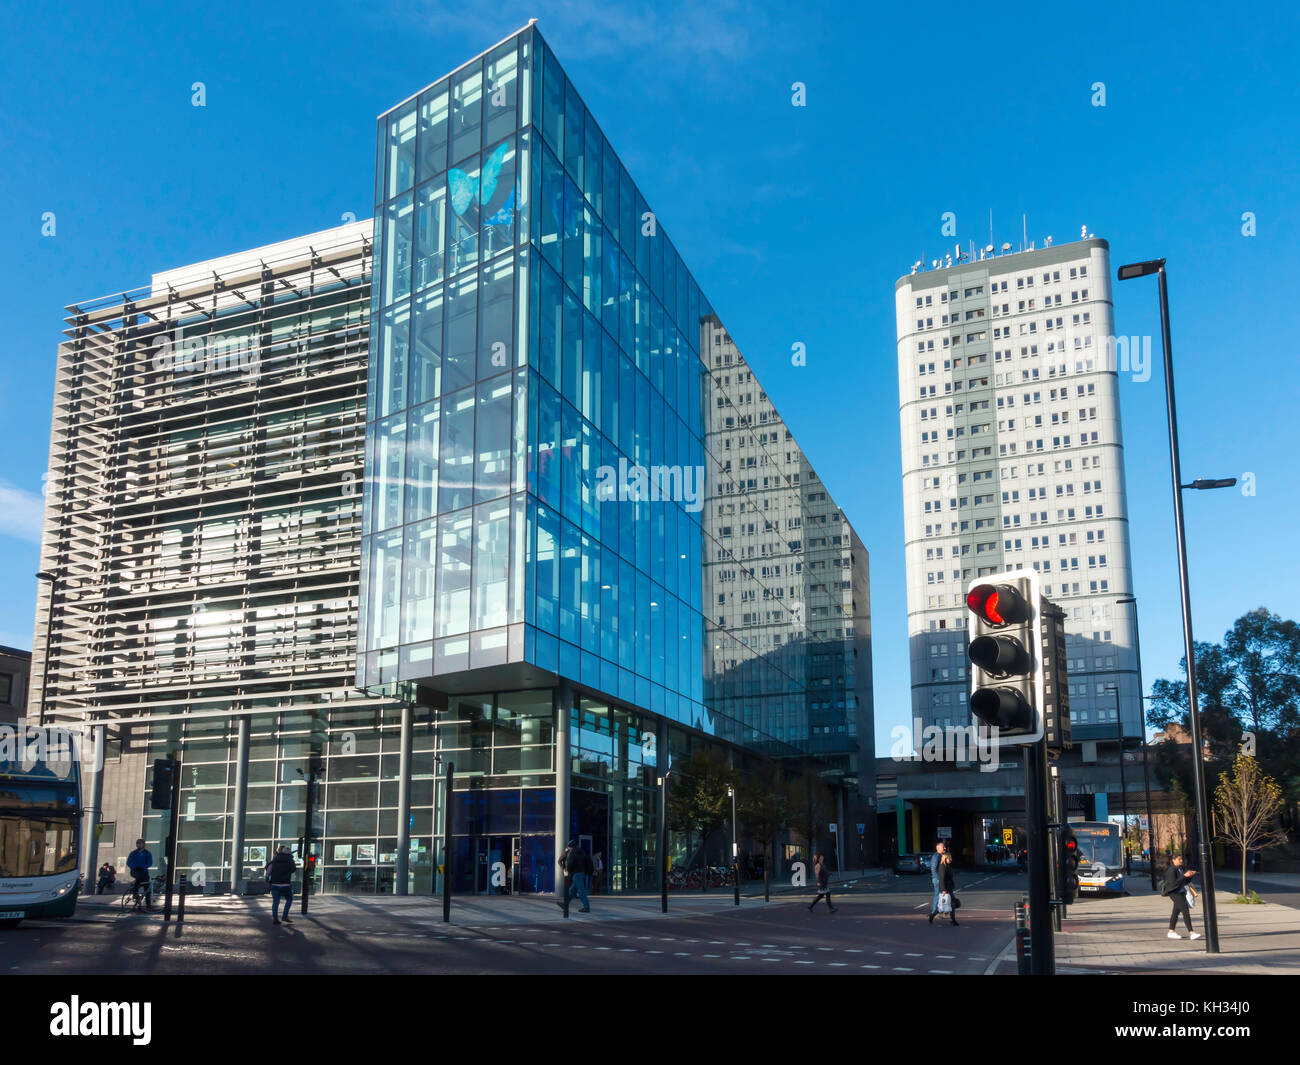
(810, 804)
(697, 798)
(763, 806)
(1246, 805)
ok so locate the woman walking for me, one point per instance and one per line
(947, 886)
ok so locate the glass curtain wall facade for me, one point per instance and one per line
(549, 459)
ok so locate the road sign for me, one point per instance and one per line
(833, 827)
(943, 832)
(1008, 836)
(861, 828)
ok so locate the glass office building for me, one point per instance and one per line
(490, 487)
(585, 540)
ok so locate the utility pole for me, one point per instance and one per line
(447, 804)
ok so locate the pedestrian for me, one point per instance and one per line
(823, 880)
(598, 878)
(279, 874)
(138, 864)
(582, 879)
(574, 864)
(1175, 889)
(107, 878)
(947, 886)
(940, 849)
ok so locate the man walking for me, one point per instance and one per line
(940, 849)
(823, 880)
(279, 873)
(1175, 889)
(574, 863)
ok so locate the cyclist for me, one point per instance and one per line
(137, 864)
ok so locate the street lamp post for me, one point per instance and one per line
(1151, 824)
(735, 844)
(45, 575)
(1123, 784)
(1134, 270)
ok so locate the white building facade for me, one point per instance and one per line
(1013, 457)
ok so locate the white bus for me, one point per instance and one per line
(40, 823)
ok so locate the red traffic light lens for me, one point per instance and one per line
(983, 599)
(997, 604)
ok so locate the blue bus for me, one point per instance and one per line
(1101, 859)
(40, 823)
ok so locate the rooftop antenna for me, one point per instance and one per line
(1083, 233)
(1006, 246)
(1047, 243)
(990, 227)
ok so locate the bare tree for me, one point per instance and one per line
(1246, 804)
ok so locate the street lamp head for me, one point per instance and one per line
(46, 575)
(1133, 270)
(1201, 484)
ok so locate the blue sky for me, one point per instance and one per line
(795, 221)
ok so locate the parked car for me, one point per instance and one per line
(910, 863)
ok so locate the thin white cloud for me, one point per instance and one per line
(21, 513)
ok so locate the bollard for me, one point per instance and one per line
(1022, 937)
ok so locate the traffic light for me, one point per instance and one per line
(164, 783)
(1056, 679)
(1005, 651)
(1068, 851)
(316, 743)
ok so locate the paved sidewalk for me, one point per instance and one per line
(474, 910)
(1130, 935)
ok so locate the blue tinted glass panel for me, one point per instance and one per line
(455, 545)
(435, 111)
(492, 440)
(418, 580)
(497, 198)
(496, 318)
(456, 454)
(430, 231)
(422, 463)
(501, 92)
(463, 234)
(426, 347)
(460, 347)
(466, 113)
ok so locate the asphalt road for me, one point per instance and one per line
(880, 928)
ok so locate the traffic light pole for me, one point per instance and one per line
(307, 869)
(173, 827)
(448, 814)
(1041, 939)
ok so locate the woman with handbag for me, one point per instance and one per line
(947, 890)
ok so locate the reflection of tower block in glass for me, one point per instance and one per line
(796, 611)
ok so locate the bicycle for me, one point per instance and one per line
(133, 898)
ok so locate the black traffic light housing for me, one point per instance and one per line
(1068, 853)
(164, 784)
(1005, 652)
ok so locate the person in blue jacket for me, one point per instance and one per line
(138, 864)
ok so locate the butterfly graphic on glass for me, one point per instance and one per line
(464, 189)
